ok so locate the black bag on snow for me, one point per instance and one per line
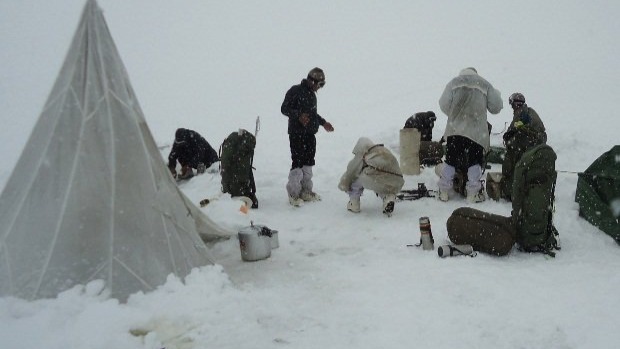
(236, 157)
(533, 198)
(485, 232)
(423, 122)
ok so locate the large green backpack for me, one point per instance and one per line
(533, 197)
(236, 156)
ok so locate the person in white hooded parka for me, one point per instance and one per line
(373, 167)
(465, 101)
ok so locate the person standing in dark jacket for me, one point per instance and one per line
(526, 130)
(303, 123)
(191, 150)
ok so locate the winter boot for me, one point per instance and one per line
(475, 197)
(254, 200)
(388, 205)
(201, 168)
(295, 201)
(443, 195)
(310, 196)
(354, 205)
(186, 173)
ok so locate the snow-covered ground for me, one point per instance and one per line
(338, 280)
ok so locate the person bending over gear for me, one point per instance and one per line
(525, 131)
(423, 122)
(465, 101)
(191, 150)
(299, 106)
(372, 167)
(430, 152)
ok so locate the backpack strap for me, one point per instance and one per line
(219, 155)
(366, 164)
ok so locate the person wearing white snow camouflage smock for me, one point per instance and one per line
(465, 101)
(373, 167)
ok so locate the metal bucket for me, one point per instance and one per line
(254, 244)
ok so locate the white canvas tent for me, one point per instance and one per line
(90, 197)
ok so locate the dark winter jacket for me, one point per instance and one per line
(190, 149)
(298, 100)
(525, 130)
(423, 122)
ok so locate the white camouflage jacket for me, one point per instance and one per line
(465, 101)
(376, 168)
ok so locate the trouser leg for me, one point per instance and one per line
(293, 186)
(474, 174)
(356, 190)
(306, 181)
(446, 179)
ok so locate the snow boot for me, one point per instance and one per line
(310, 196)
(443, 195)
(354, 205)
(201, 168)
(388, 205)
(476, 197)
(186, 173)
(295, 201)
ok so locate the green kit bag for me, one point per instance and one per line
(236, 157)
(533, 198)
(485, 232)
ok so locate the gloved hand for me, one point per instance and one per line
(343, 187)
(519, 124)
(328, 127)
(186, 172)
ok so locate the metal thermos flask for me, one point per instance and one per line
(454, 250)
(426, 235)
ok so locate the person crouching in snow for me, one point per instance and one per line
(372, 167)
(191, 150)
